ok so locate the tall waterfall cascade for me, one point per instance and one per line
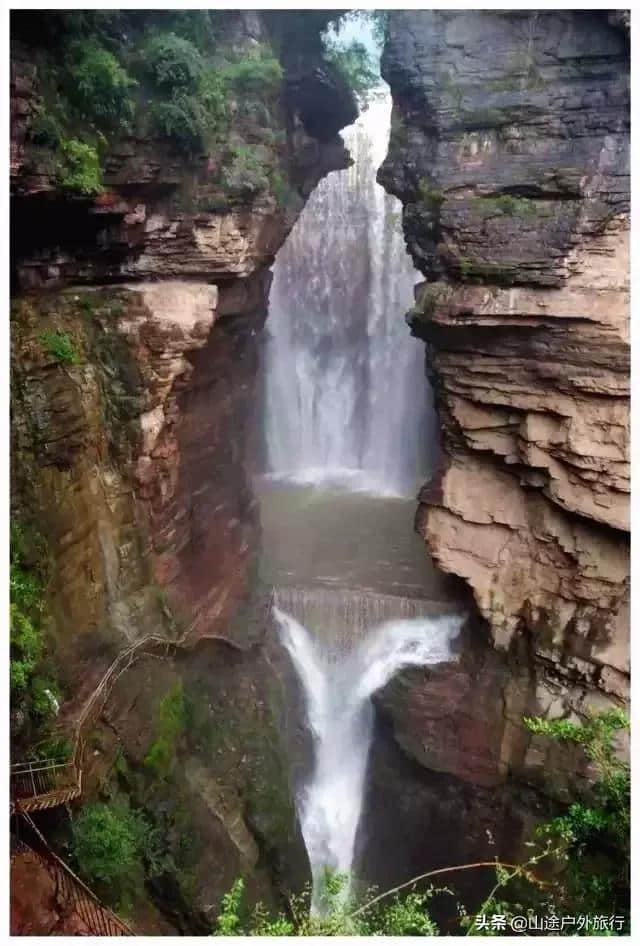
(347, 401)
(349, 409)
(340, 716)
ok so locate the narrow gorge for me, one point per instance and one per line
(319, 462)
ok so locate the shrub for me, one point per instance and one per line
(52, 747)
(25, 607)
(355, 64)
(171, 717)
(404, 916)
(45, 129)
(263, 74)
(281, 190)
(247, 174)
(98, 86)
(212, 93)
(201, 27)
(26, 643)
(33, 693)
(107, 841)
(172, 62)
(79, 168)
(593, 839)
(189, 119)
(183, 120)
(60, 345)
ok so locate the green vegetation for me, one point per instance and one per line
(183, 120)
(593, 839)
(45, 129)
(79, 167)
(107, 845)
(589, 845)
(171, 721)
(97, 86)
(246, 172)
(179, 77)
(256, 74)
(376, 20)
(406, 916)
(190, 102)
(283, 194)
(509, 205)
(51, 746)
(34, 693)
(355, 64)
(26, 635)
(490, 272)
(432, 197)
(172, 62)
(60, 345)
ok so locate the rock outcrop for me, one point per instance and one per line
(510, 152)
(133, 451)
(136, 325)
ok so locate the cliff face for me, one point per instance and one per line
(132, 449)
(136, 321)
(509, 150)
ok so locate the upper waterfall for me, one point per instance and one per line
(346, 397)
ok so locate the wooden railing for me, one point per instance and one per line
(38, 785)
(50, 782)
(71, 892)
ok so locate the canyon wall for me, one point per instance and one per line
(510, 152)
(136, 324)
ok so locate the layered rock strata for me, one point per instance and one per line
(510, 152)
(133, 451)
(136, 331)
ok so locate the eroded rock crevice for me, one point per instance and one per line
(136, 335)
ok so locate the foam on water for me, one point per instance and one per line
(347, 400)
(340, 716)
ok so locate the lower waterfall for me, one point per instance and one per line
(340, 716)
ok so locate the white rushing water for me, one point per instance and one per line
(340, 715)
(347, 401)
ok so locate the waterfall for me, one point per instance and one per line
(340, 716)
(347, 401)
(341, 617)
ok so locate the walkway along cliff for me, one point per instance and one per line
(140, 266)
(144, 225)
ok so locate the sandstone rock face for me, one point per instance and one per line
(136, 332)
(510, 150)
(134, 454)
(97, 460)
(163, 214)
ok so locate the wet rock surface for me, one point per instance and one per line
(509, 150)
(220, 805)
(136, 328)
